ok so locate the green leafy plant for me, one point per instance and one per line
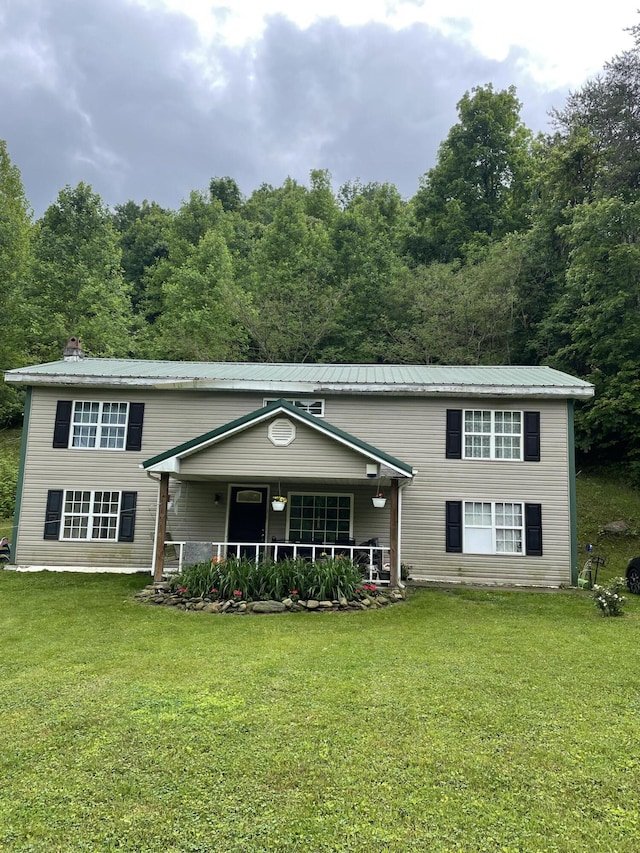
(609, 599)
(327, 578)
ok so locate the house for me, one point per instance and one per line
(131, 465)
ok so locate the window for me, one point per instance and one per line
(86, 424)
(311, 407)
(493, 528)
(326, 518)
(101, 425)
(88, 514)
(492, 435)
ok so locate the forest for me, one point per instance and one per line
(515, 249)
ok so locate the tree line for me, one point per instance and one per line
(515, 249)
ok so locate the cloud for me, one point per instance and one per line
(130, 100)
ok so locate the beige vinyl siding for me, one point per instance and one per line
(418, 437)
(409, 428)
(251, 453)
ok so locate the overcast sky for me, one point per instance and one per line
(151, 98)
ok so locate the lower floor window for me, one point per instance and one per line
(493, 527)
(325, 518)
(90, 515)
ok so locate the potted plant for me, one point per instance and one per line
(379, 500)
(278, 503)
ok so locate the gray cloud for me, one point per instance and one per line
(120, 97)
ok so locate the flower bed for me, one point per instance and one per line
(367, 597)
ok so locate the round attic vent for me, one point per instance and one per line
(282, 432)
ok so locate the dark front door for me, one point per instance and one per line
(247, 516)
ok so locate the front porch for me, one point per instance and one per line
(217, 495)
(374, 560)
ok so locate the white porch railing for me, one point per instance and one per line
(373, 559)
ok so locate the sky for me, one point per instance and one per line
(150, 99)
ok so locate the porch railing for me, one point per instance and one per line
(373, 559)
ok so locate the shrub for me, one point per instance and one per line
(330, 578)
(609, 599)
(8, 484)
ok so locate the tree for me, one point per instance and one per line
(287, 298)
(227, 192)
(595, 325)
(458, 313)
(479, 187)
(15, 268)
(196, 323)
(607, 107)
(78, 287)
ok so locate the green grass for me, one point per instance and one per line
(464, 720)
(604, 496)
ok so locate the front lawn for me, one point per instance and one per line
(466, 720)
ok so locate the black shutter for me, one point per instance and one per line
(454, 434)
(128, 503)
(134, 428)
(53, 514)
(454, 527)
(533, 529)
(62, 424)
(532, 436)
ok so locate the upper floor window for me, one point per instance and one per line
(492, 434)
(311, 407)
(101, 425)
(90, 424)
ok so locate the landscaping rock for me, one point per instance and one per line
(312, 604)
(268, 607)
(326, 605)
(616, 527)
(213, 607)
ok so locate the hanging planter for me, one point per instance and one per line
(379, 500)
(278, 503)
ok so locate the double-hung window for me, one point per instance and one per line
(492, 434)
(90, 514)
(493, 527)
(99, 425)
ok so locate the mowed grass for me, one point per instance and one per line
(604, 496)
(463, 720)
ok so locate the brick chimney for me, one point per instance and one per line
(73, 350)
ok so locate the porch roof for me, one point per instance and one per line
(169, 459)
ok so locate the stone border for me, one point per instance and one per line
(159, 595)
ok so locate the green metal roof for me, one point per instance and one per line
(305, 378)
(265, 413)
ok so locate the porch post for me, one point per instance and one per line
(161, 529)
(393, 535)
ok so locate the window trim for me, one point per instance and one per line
(493, 435)
(91, 515)
(316, 494)
(300, 403)
(99, 424)
(493, 527)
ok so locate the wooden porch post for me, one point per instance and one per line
(393, 536)
(161, 529)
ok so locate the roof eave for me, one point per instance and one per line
(280, 386)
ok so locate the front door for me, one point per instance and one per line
(247, 516)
